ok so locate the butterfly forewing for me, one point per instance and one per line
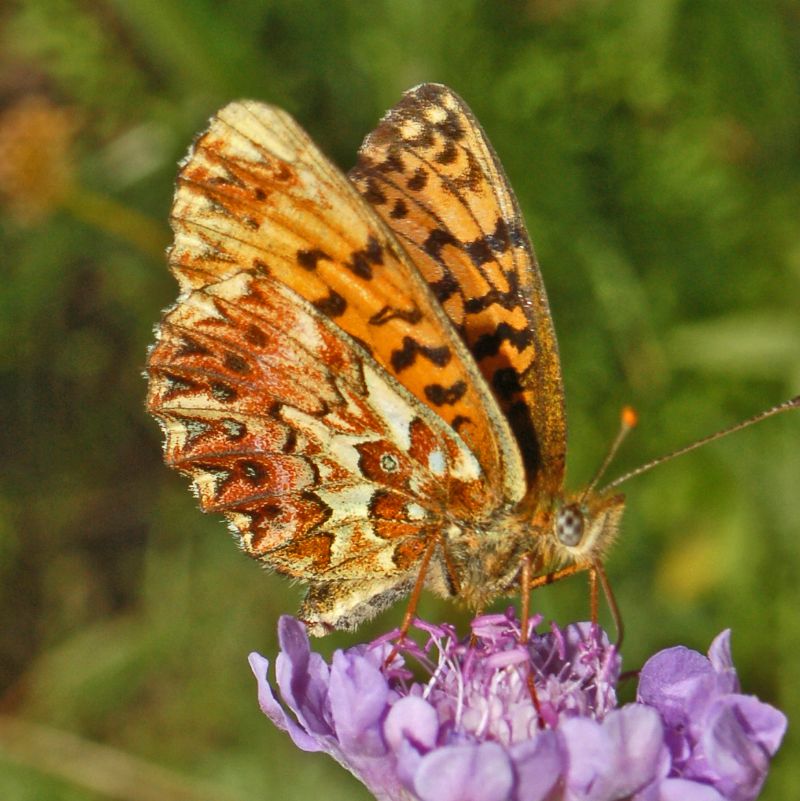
(326, 467)
(430, 172)
(255, 196)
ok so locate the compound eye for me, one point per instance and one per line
(569, 526)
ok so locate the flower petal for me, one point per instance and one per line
(765, 724)
(538, 764)
(414, 720)
(679, 683)
(733, 761)
(465, 773)
(684, 790)
(302, 677)
(638, 737)
(274, 711)
(358, 694)
(590, 755)
(410, 729)
(720, 657)
(616, 758)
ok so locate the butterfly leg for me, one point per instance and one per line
(593, 599)
(525, 600)
(597, 574)
(525, 614)
(556, 575)
(413, 601)
(600, 573)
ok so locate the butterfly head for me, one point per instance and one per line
(584, 526)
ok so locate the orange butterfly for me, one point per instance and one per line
(362, 375)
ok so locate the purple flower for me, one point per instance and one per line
(715, 734)
(468, 730)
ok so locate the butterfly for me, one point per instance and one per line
(361, 373)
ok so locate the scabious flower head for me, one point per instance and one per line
(468, 730)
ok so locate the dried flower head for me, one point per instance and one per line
(468, 730)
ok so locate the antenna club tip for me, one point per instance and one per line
(630, 417)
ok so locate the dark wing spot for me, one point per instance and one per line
(359, 265)
(519, 419)
(424, 139)
(451, 126)
(378, 462)
(373, 193)
(255, 336)
(448, 154)
(253, 472)
(460, 420)
(362, 260)
(445, 287)
(418, 180)
(223, 392)
(308, 259)
(291, 442)
(191, 347)
(392, 163)
(399, 210)
(436, 240)
(489, 344)
(269, 511)
(472, 177)
(406, 356)
(333, 305)
(508, 300)
(500, 239)
(387, 313)
(506, 382)
(479, 251)
(235, 363)
(441, 396)
(374, 251)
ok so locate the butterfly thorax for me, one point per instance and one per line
(485, 560)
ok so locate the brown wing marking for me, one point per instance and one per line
(429, 171)
(255, 194)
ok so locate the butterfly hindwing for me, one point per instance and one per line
(327, 469)
(430, 172)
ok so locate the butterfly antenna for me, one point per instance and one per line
(793, 403)
(628, 421)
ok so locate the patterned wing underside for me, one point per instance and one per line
(255, 194)
(327, 469)
(430, 172)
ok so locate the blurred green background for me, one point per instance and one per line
(655, 149)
